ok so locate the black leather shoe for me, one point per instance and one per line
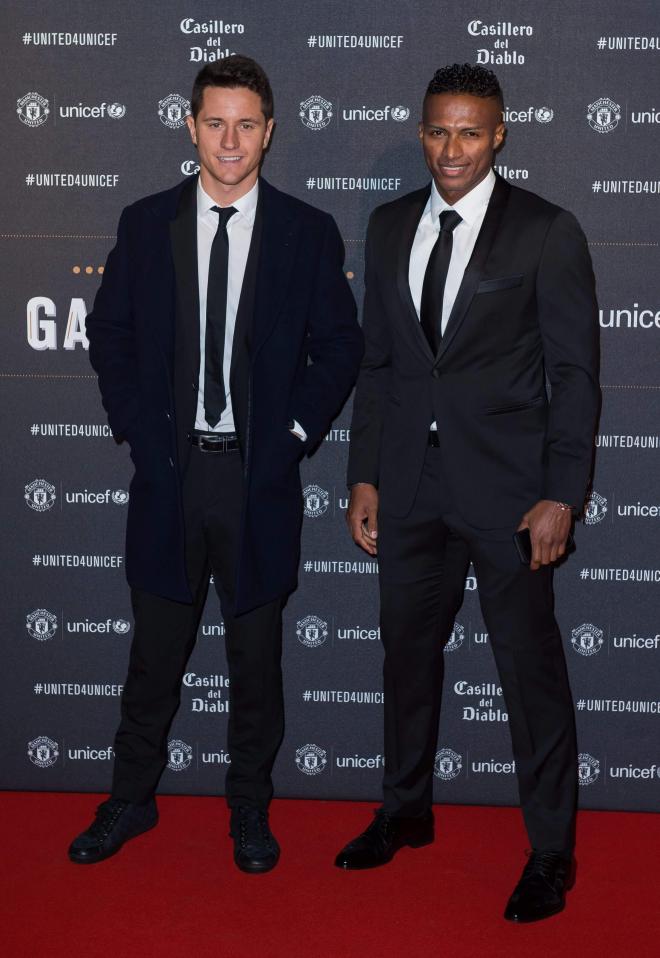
(382, 840)
(541, 891)
(255, 847)
(116, 821)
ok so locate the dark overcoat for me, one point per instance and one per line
(297, 349)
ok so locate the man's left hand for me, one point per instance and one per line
(549, 525)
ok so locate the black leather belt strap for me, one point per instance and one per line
(214, 441)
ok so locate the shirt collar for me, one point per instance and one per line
(246, 205)
(470, 206)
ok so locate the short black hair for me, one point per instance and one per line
(234, 71)
(466, 78)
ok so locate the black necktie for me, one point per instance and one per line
(216, 310)
(435, 277)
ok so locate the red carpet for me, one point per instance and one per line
(176, 892)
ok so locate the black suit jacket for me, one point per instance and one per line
(296, 354)
(525, 313)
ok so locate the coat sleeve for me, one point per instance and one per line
(374, 377)
(111, 333)
(334, 343)
(568, 317)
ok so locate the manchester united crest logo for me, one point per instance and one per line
(603, 115)
(315, 113)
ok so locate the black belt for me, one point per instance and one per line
(214, 441)
(433, 439)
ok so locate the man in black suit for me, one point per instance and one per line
(225, 338)
(477, 293)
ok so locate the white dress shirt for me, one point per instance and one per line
(472, 209)
(239, 231)
(239, 234)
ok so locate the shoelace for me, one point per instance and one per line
(106, 817)
(381, 826)
(543, 865)
(254, 827)
(382, 821)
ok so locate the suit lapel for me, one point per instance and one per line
(240, 356)
(475, 268)
(413, 214)
(277, 250)
(183, 242)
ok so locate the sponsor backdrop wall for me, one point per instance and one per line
(94, 98)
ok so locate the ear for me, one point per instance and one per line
(500, 130)
(269, 130)
(190, 123)
(420, 129)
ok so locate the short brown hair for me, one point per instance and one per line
(233, 71)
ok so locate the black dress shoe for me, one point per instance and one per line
(541, 891)
(116, 821)
(382, 840)
(255, 847)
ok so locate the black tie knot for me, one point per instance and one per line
(449, 220)
(225, 213)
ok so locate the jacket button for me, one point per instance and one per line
(167, 415)
(171, 462)
(435, 373)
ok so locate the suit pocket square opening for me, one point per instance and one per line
(514, 407)
(505, 282)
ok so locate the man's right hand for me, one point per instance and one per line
(362, 516)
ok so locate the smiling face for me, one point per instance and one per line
(459, 134)
(231, 133)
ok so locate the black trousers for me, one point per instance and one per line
(423, 560)
(164, 637)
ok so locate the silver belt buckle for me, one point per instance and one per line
(218, 444)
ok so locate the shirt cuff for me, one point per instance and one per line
(298, 431)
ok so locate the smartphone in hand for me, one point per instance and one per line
(523, 543)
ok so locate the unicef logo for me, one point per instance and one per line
(121, 626)
(603, 115)
(116, 111)
(400, 113)
(595, 509)
(456, 638)
(447, 765)
(189, 167)
(588, 769)
(316, 501)
(312, 631)
(179, 755)
(120, 497)
(315, 113)
(41, 624)
(32, 109)
(311, 760)
(173, 110)
(40, 495)
(543, 114)
(587, 639)
(43, 751)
